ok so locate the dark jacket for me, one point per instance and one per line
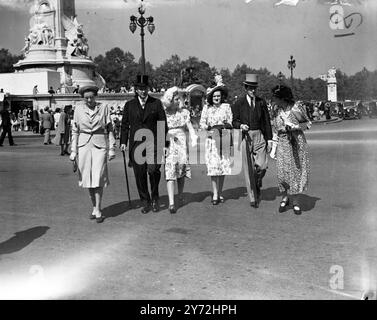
(135, 118)
(5, 117)
(255, 118)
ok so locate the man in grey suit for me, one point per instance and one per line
(46, 124)
(250, 114)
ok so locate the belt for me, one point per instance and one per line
(94, 133)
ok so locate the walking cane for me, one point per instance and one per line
(250, 163)
(125, 170)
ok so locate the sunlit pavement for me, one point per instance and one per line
(49, 249)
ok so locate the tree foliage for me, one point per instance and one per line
(119, 69)
(7, 60)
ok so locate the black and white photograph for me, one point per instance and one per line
(188, 150)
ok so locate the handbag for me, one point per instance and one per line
(74, 165)
(42, 130)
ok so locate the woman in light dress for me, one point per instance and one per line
(177, 166)
(93, 144)
(217, 116)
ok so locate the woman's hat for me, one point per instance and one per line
(90, 88)
(251, 79)
(223, 89)
(142, 80)
(282, 92)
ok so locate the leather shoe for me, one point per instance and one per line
(146, 209)
(155, 207)
(254, 204)
(172, 209)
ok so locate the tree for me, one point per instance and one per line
(118, 68)
(168, 73)
(7, 60)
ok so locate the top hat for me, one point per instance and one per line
(142, 80)
(251, 79)
(91, 88)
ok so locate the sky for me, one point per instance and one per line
(223, 33)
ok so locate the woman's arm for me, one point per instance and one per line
(203, 118)
(110, 133)
(75, 134)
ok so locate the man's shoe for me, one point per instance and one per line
(1, 145)
(146, 209)
(254, 204)
(14, 144)
(155, 207)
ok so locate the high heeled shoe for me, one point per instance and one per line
(215, 201)
(297, 210)
(100, 219)
(172, 209)
(283, 204)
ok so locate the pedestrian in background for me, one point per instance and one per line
(56, 117)
(292, 155)
(35, 118)
(63, 130)
(46, 124)
(93, 144)
(6, 125)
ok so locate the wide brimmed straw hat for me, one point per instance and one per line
(91, 88)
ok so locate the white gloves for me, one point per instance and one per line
(194, 141)
(111, 154)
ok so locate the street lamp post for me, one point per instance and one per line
(280, 77)
(291, 66)
(142, 23)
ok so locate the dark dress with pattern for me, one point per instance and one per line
(292, 154)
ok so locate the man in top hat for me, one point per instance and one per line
(142, 117)
(250, 114)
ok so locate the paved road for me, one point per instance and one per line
(50, 249)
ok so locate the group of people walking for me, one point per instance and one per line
(145, 119)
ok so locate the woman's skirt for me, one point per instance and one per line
(217, 156)
(177, 161)
(292, 161)
(92, 166)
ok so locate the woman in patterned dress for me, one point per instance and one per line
(216, 115)
(93, 144)
(177, 161)
(292, 159)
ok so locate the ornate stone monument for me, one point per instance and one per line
(56, 43)
(331, 85)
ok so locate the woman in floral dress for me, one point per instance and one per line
(177, 161)
(216, 115)
(292, 159)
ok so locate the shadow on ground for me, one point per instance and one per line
(269, 194)
(22, 239)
